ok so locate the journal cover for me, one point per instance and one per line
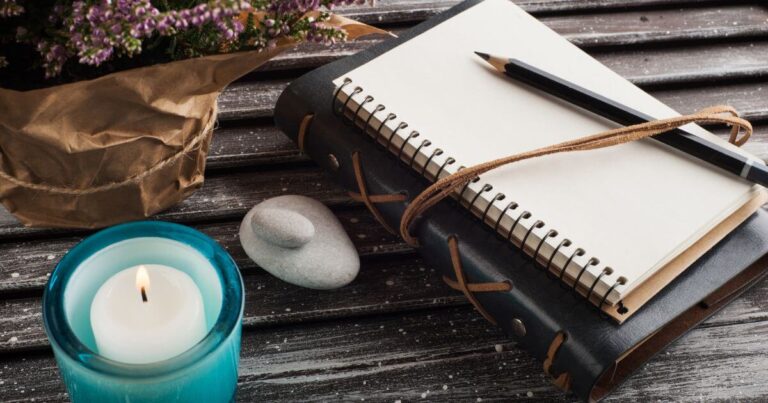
(572, 210)
(583, 352)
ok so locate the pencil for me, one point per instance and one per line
(748, 168)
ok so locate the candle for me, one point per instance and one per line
(117, 347)
(147, 313)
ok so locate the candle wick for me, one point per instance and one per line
(143, 294)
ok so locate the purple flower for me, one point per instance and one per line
(95, 31)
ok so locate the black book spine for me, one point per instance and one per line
(331, 141)
(536, 310)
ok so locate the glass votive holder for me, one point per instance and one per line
(206, 372)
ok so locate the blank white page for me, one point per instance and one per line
(634, 206)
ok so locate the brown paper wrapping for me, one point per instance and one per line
(119, 147)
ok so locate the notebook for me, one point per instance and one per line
(606, 222)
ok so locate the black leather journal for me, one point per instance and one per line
(584, 352)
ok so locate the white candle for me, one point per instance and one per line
(147, 313)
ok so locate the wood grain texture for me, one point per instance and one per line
(251, 144)
(397, 284)
(397, 333)
(250, 100)
(226, 195)
(674, 64)
(442, 354)
(539, 6)
(383, 286)
(262, 145)
(607, 28)
(237, 199)
(26, 264)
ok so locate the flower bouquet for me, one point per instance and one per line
(107, 107)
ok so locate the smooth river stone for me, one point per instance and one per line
(300, 241)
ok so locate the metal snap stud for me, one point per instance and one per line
(333, 161)
(518, 327)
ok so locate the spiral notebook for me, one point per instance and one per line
(606, 222)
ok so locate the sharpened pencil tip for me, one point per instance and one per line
(494, 61)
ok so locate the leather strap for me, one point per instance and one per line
(369, 199)
(303, 129)
(468, 289)
(562, 381)
(444, 187)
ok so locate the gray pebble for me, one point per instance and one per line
(300, 241)
(281, 227)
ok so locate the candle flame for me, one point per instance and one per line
(142, 280)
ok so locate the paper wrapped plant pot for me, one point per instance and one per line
(119, 147)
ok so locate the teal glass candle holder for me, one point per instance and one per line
(206, 372)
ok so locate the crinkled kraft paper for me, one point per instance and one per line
(120, 147)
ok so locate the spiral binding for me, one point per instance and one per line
(340, 107)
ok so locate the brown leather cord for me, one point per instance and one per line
(363, 196)
(447, 185)
(303, 129)
(368, 199)
(397, 197)
(478, 287)
(562, 381)
(461, 281)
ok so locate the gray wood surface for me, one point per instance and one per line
(398, 333)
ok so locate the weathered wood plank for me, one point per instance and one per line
(604, 28)
(250, 100)
(256, 99)
(723, 372)
(278, 149)
(357, 359)
(668, 25)
(266, 145)
(383, 286)
(251, 144)
(537, 6)
(688, 63)
(226, 195)
(720, 363)
(750, 99)
(26, 264)
(404, 356)
(643, 66)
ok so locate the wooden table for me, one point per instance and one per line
(397, 332)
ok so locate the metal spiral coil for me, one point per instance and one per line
(499, 196)
(486, 188)
(424, 143)
(338, 106)
(550, 234)
(593, 261)
(414, 134)
(436, 152)
(525, 215)
(367, 99)
(378, 108)
(577, 252)
(537, 224)
(511, 206)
